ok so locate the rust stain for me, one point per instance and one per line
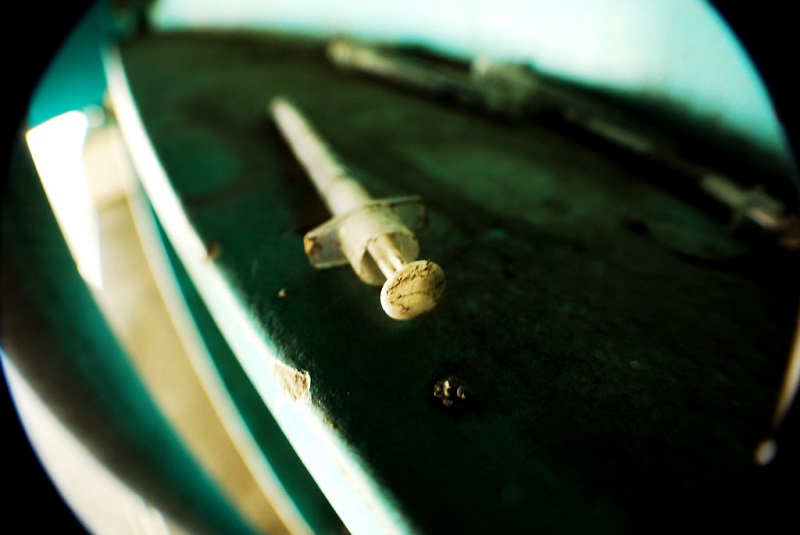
(213, 250)
(312, 246)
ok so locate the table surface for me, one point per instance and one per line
(623, 347)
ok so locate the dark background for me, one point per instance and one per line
(34, 31)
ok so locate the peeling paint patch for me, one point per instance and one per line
(296, 383)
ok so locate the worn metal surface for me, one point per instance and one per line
(621, 348)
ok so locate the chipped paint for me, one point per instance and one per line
(296, 383)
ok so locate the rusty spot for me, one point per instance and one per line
(213, 250)
(312, 246)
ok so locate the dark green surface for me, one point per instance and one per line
(58, 339)
(623, 348)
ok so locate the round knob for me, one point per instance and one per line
(413, 289)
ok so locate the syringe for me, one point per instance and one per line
(376, 237)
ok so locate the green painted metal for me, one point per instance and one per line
(59, 340)
(624, 347)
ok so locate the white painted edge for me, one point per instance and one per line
(209, 377)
